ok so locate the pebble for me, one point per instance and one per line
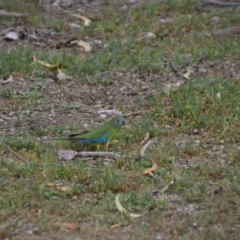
(151, 35)
(195, 131)
(197, 142)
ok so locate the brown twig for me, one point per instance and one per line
(147, 136)
(164, 189)
(226, 31)
(144, 148)
(17, 155)
(99, 154)
(11, 14)
(219, 4)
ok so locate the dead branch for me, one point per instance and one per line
(99, 154)
(219, 4)
(226, 31)
(11, 14)
(147, 136)
(164, 189)
(144, 148)
(17, 155)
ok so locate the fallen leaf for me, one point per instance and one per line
(67, 154)
(47, 65)
(123, 210)
(85, 45)
(135, 215)
(147, 135)
(144, 148)
(120, 208)
(86, 21)
(67, 225)
(164, 189)
(65, 188)
(115, 226)
(187, 74)
(151, 169)
(172, 86)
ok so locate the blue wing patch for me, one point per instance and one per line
(102, 139)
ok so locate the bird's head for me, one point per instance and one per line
(118, 121)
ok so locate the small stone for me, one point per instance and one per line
(30, 232)
(144, 88)
(195, 131)
(151, 35)
(197, 142)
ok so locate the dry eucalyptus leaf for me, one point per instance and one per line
(172, 86)
(47, 65)
(85, 45)
(163, 190)
(86, 21)
(123, 210)
(187, 74)
(65, 188)
(151, 169)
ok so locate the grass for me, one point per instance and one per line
(196, 128)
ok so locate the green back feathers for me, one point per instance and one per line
(99, 135)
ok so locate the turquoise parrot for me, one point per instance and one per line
(98, 136)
